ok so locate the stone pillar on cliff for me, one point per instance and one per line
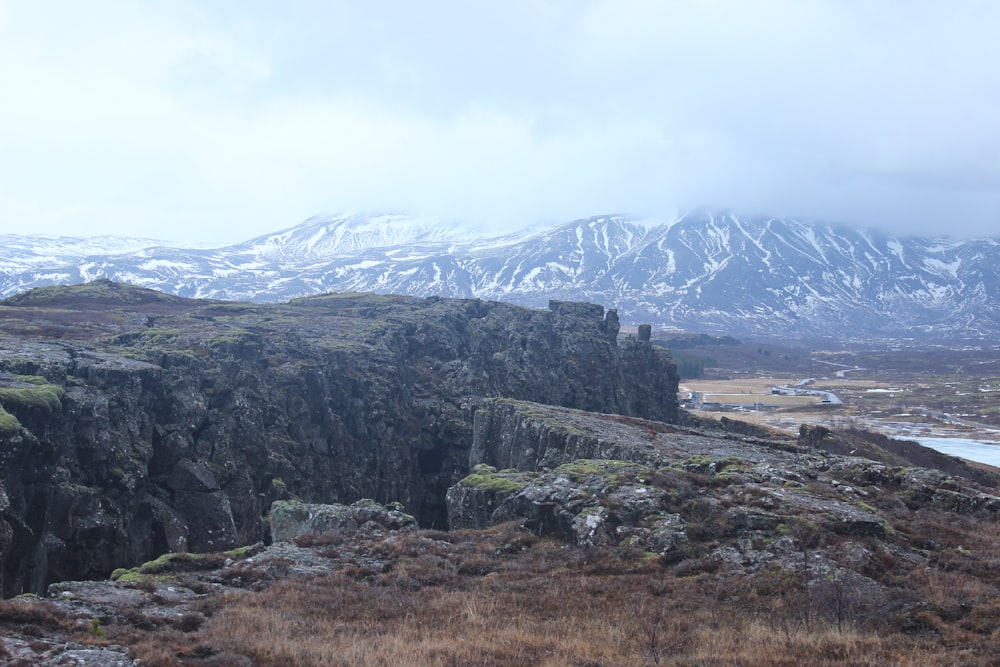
(611, 325)
(645, 332)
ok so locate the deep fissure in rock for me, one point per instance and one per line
(163, 424)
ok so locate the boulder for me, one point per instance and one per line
(291, 519)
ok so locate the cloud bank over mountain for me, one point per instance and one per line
(210, 122)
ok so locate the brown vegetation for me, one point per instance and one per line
(506, 597)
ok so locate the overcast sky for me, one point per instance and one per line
(211, 121)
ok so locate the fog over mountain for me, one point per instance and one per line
(706, 271)
(212, 122)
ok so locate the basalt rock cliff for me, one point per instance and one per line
(689, 493)
(135, 423)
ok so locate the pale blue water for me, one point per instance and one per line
(983, 451)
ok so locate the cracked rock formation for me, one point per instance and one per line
(134, 423)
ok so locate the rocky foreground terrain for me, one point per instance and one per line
(359, 480)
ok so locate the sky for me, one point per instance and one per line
(213, 121)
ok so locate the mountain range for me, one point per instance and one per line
(707, 271)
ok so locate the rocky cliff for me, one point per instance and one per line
(707, 496)
(135, 423)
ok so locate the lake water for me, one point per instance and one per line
(983, 451)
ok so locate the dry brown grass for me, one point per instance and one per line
(506, 598)
(561, 622)
(358, 625)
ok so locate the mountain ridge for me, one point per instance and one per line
(707, 270)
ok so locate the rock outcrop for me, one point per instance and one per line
(293, 519)
(135, 423)
(624, 483)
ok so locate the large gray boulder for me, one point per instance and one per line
(291, 519)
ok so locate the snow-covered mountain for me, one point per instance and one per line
(319, 239)
(22, 252)
(705, 271)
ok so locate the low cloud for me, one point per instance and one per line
(212, 122)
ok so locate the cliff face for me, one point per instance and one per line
(708, 496)
(134, 423)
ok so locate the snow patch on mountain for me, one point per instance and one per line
(707, 270)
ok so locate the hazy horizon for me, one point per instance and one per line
(485, 233)
(207, 123)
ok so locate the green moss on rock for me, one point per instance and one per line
(9, 425)
(583, 469)
(487, 478)
(133, 577)
(160, 564)
(492, 483)
(159, 569)
(47, 396)
(697, 460)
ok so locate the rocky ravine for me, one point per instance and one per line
(841, 532)
(135, 423)
(141, 427)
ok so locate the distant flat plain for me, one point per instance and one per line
(907, 393)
